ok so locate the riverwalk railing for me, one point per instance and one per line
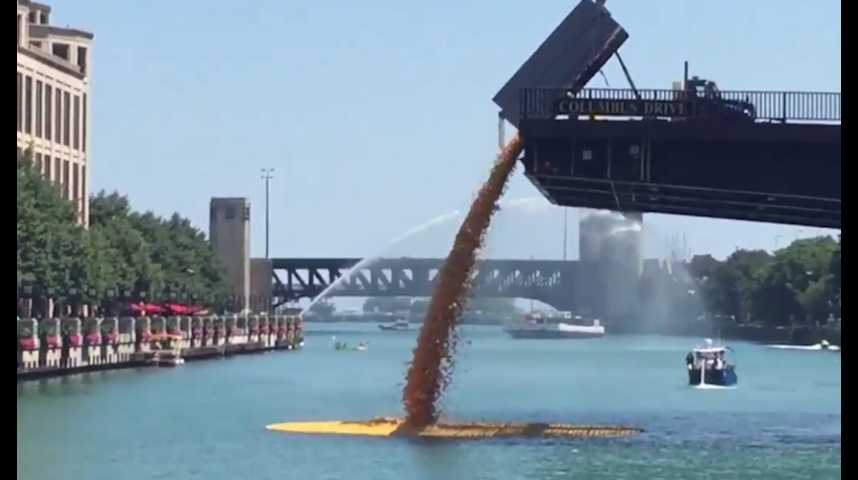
(57, 346)
(544, 103)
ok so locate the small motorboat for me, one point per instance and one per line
(708, 365)
(343, 346)
(399, 325)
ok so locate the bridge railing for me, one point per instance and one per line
(544, 103)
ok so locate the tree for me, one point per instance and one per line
(51, 248)
(728, 289)
(815, 301)
(834, 279)
(703, 266)
(153, 254)
(387, 304)
(123, 245)
(122, 251)
(799, 283)
(791, 288)
(323, 308)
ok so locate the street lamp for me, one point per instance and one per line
(267, 175)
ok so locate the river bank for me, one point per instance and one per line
(58, 347)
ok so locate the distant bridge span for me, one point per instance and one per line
(549, 281)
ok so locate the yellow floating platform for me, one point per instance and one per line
(392, 427)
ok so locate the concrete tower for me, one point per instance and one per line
(229, 233)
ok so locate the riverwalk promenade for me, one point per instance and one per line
(55, 347)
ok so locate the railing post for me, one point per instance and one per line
(784, 106)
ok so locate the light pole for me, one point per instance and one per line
(267, 175)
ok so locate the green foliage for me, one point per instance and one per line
(799, 283)
(387, 304)
(122, 252)
(323, 308)
(51, 248)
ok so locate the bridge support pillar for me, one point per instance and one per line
(261, 272)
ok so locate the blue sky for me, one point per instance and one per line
(377, 115)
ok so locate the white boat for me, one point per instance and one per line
(708, 365)
(399, 325)
(595, 330)
(535, 326)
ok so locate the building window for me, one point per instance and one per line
(57, 171)
(39, 108)
(83, 140)
(229, 214)
(20, 97)
(28, 105)
(49, 91)
(81, 59)
(76, 113)
(58, 118)
(66, 117)
(39, 163)
(66, 179)
(60, 50)
(48, 169)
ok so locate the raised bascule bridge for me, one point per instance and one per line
(692, 150)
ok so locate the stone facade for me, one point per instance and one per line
(53, 98)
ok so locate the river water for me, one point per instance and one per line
(206, 420)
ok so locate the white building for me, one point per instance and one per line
(53, 101)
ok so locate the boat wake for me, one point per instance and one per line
(707, 386)
(818, 346)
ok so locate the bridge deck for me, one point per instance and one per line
(550, 281)
(776, 161)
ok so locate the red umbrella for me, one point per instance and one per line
(147, 308)
(177, 309)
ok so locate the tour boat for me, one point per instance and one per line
(535, 327)
(708, 365)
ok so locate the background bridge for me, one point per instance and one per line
(549, 281)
